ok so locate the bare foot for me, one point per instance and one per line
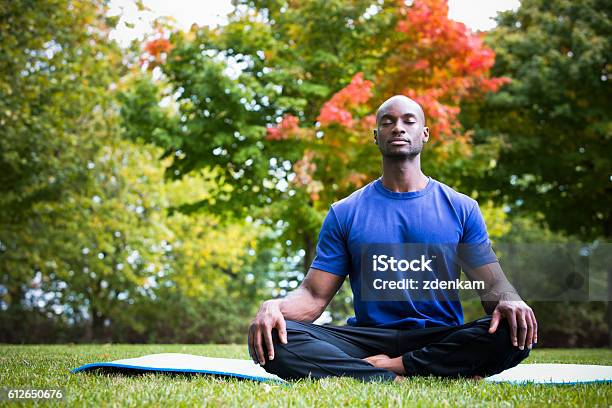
(378, 360)
(384, 361)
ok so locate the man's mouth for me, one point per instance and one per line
(398, 142)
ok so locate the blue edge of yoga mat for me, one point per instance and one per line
(137, 368)
(87, 367)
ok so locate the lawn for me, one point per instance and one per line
(48, 367)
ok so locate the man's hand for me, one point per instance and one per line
(521, 319)
(384, 361)
(304, 304)
(269, 317)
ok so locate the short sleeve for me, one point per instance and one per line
(475, 246)
(332, 255)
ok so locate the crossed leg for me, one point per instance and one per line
(459, 351)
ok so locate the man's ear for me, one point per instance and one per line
(375, 136)
(425, 134)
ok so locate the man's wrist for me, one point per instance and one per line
(271, 304)
(494, 296)
(510, 297)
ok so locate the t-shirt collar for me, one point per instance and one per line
(378, 185)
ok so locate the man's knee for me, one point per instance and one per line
(272, 366)
(283, 360)
(505, 354)
(503, 337)
(500, 339)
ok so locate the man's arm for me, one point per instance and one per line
(304, 304)
(501, 300)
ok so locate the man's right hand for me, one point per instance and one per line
(304, 304)
(269, 317)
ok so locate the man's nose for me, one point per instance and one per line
(398, 129)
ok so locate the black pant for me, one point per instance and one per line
(459, 351)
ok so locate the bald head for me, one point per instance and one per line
(403, 103)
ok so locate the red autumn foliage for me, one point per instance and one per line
(304, 168)
(155, 51)
(336, 110)
(287, 128)
(157, 46)
(434, 60)
(368, 122)
(438, 63)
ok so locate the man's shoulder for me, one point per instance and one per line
(353, 199)
(457, 198)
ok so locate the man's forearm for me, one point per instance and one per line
(299, 305)
(309, 300)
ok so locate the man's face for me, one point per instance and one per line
(400, 129)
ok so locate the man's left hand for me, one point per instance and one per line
(521, 319)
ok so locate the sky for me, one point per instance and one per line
(476, 14)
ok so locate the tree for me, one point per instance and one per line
(280, 100)
(554, 115)
(109, 258)
(56, 68)
(553, 122)
(88, 241)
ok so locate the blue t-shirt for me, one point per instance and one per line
(374, 214)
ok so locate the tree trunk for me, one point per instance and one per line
(95, 328)
(609, 307)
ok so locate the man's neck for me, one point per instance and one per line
(403, 175)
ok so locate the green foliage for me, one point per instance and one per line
(552, 122)
(89, 245)
(554, 116)
(560, 323)
(56, 67)
(162, 206)
(229, 85)
(113, 261)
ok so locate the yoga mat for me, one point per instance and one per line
(554, 374)
(187, 363)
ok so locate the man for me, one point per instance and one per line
(421, 332)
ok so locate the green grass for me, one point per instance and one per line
(48, 367)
